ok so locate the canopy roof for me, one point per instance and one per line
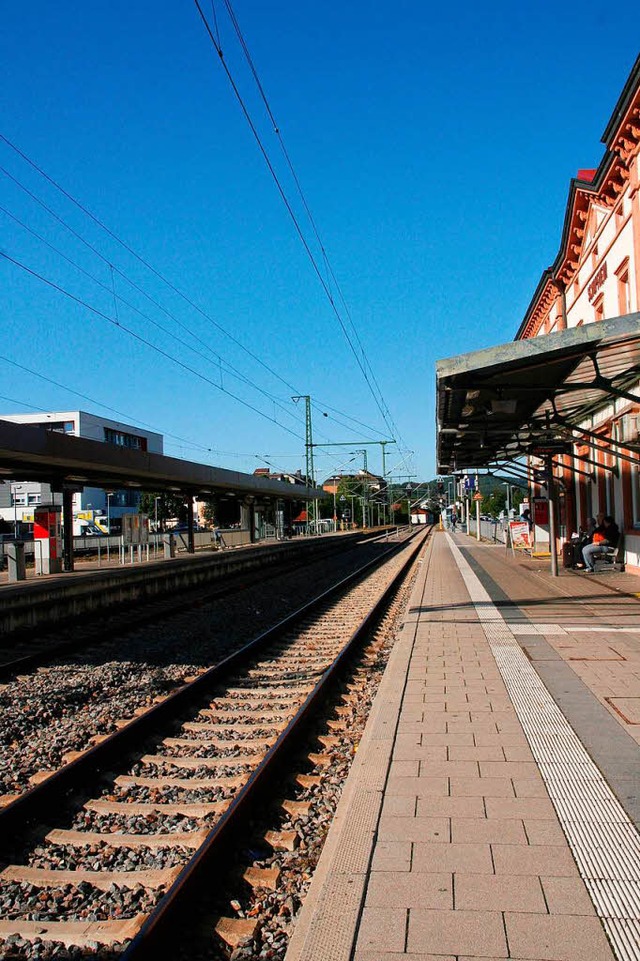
(30, 452)
(533, 396)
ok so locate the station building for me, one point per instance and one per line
(18, 498)
(595, 277)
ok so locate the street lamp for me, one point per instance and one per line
(156, 499)
(508, 486)
(14, 490)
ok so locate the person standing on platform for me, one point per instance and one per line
(454, 521)
(526, 516)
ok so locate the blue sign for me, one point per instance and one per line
(469, 483)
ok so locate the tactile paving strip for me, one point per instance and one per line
(604, 842)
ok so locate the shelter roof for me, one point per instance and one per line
(28, 452)
(531, 396)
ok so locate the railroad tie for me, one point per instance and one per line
(50, 877)
(187, 839)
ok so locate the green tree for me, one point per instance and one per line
(169, 505)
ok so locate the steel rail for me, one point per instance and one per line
(166, 920)
(153, 610)
(81, 774)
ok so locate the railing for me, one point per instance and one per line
(491, 530)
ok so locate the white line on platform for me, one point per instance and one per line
(534, 628)
(604, 841)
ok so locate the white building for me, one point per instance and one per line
(18, 498)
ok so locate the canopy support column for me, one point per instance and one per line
(191, 548)
(551, 497)
(67, 529)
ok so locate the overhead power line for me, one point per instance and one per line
(113, 410)
(363, 363)
(147, 343)
(157, 273)
(147, 264)
(229, 368)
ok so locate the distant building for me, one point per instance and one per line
(373, 482)
(285, 476)
(18, 498)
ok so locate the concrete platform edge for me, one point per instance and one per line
(328, 923)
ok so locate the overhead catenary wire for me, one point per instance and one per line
(363, 363)
(147, 343)
(291, 213)
(65, 193)
(157, 273)
(117, 297)
(113, 410)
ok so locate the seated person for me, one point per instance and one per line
(605, 535)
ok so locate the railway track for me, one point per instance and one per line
(154, 805)
(68, 703)
(26, 651)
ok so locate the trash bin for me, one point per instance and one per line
(569, 550)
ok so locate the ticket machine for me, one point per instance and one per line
(47, 533)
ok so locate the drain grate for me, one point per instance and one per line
(604, 842)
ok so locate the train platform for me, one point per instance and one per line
(493, 806)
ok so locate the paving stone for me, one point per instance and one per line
(404, 769)
(482, 787)
(513, 769)
(472, 858)
(437, 829)
(489, 892)
(567, 896)
(479, 933)
(396, 890)
(382, 929)
(544, 831)
(417, 786)
(451, 807)
(465, 753)
(488, 831)
(534, 809)
(392, 856)
(556, 937)
(515, 859)
(399, 806)
(529, 787)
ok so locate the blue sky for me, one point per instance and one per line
(434, 143)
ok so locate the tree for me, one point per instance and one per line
(169, 505)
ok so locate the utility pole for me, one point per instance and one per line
(308, 445)
(364, 486)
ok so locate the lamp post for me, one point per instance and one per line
(109, 496)
(408, 490)
(508, 486)
(14, 490)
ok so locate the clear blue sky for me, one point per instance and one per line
(434, 143)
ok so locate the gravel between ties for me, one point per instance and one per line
(59, 709)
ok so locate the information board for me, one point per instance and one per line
(135, 529)
(520, 535)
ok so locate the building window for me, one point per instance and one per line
(622, 274)
(33, 499)
(122, 439)
(598, 308)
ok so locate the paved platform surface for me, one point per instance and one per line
(492, 810)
